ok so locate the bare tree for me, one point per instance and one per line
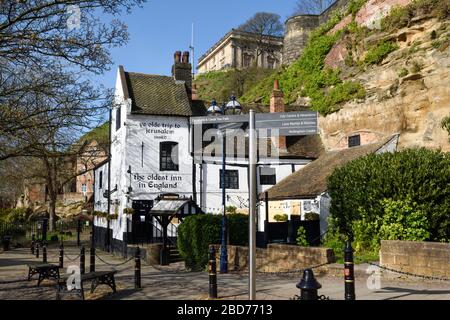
(264, 26)
(312, 6)
(47, 48)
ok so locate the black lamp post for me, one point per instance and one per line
(232, 107)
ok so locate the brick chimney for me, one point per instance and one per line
(182, 70)
(277, 105)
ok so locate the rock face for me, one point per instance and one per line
(408, 93)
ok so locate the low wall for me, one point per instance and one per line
(277, 257)
(423, 258)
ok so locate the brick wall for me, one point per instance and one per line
(277, 257)
(423, 258)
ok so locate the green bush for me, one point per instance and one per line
(312, 216)
(197, 232)
(301, 237)
(400, 17)
(360, 188)
(445, 124)
(379, 51)
(280, 217)
(15, 215)
(308, 76)
(354, 6)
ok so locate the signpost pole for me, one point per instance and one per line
(223, 247)
(252, 205)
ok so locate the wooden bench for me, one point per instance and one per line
(45, 271)
(96, 278)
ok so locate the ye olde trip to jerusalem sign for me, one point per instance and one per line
(145, 142)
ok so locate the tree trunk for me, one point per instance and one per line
(52, 192)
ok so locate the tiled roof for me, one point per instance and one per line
(311, 180)
(157, 95)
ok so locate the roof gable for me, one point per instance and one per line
(311, 180)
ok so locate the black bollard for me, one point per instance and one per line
(349, 274)
(78, 232)
(33, 243)
(82, 270)
(61, 255)
(308, 286)
(92, 260)
(212, 273)
(37, 249)
(44, 253)
(137, 268)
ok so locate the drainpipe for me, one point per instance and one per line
(109, 181)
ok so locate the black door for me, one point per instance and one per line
(141, 222)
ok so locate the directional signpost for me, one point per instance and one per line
(288, 123)
(299, 123)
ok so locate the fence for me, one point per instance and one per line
(23, 231)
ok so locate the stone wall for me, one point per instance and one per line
(277, 257)
(423, 258)
(296, 34)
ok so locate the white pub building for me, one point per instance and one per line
(152, 168)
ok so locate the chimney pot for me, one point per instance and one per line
(186, 57)
(276, 85)
(177, 56)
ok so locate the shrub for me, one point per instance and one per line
(301, 237)
(196, 233)
(359, 187)
(403, 72)
(354, 6)
(312, 216)
(445, 124)
(400, 17)
(379, 51)
(280, 217)
(308, 76)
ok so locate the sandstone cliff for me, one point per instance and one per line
(407, 93)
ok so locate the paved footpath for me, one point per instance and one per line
(174, 282)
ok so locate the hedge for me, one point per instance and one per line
(413, 181)
(197, 232)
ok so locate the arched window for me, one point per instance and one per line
(168, 156)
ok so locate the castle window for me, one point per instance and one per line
(354, 141)
(168, 156)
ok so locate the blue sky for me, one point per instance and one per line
(162, 27)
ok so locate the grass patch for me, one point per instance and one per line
(379, 51)
(400, 17)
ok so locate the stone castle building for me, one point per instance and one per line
(239, 49)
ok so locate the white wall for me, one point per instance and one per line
(100, 202)
(212, 193)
